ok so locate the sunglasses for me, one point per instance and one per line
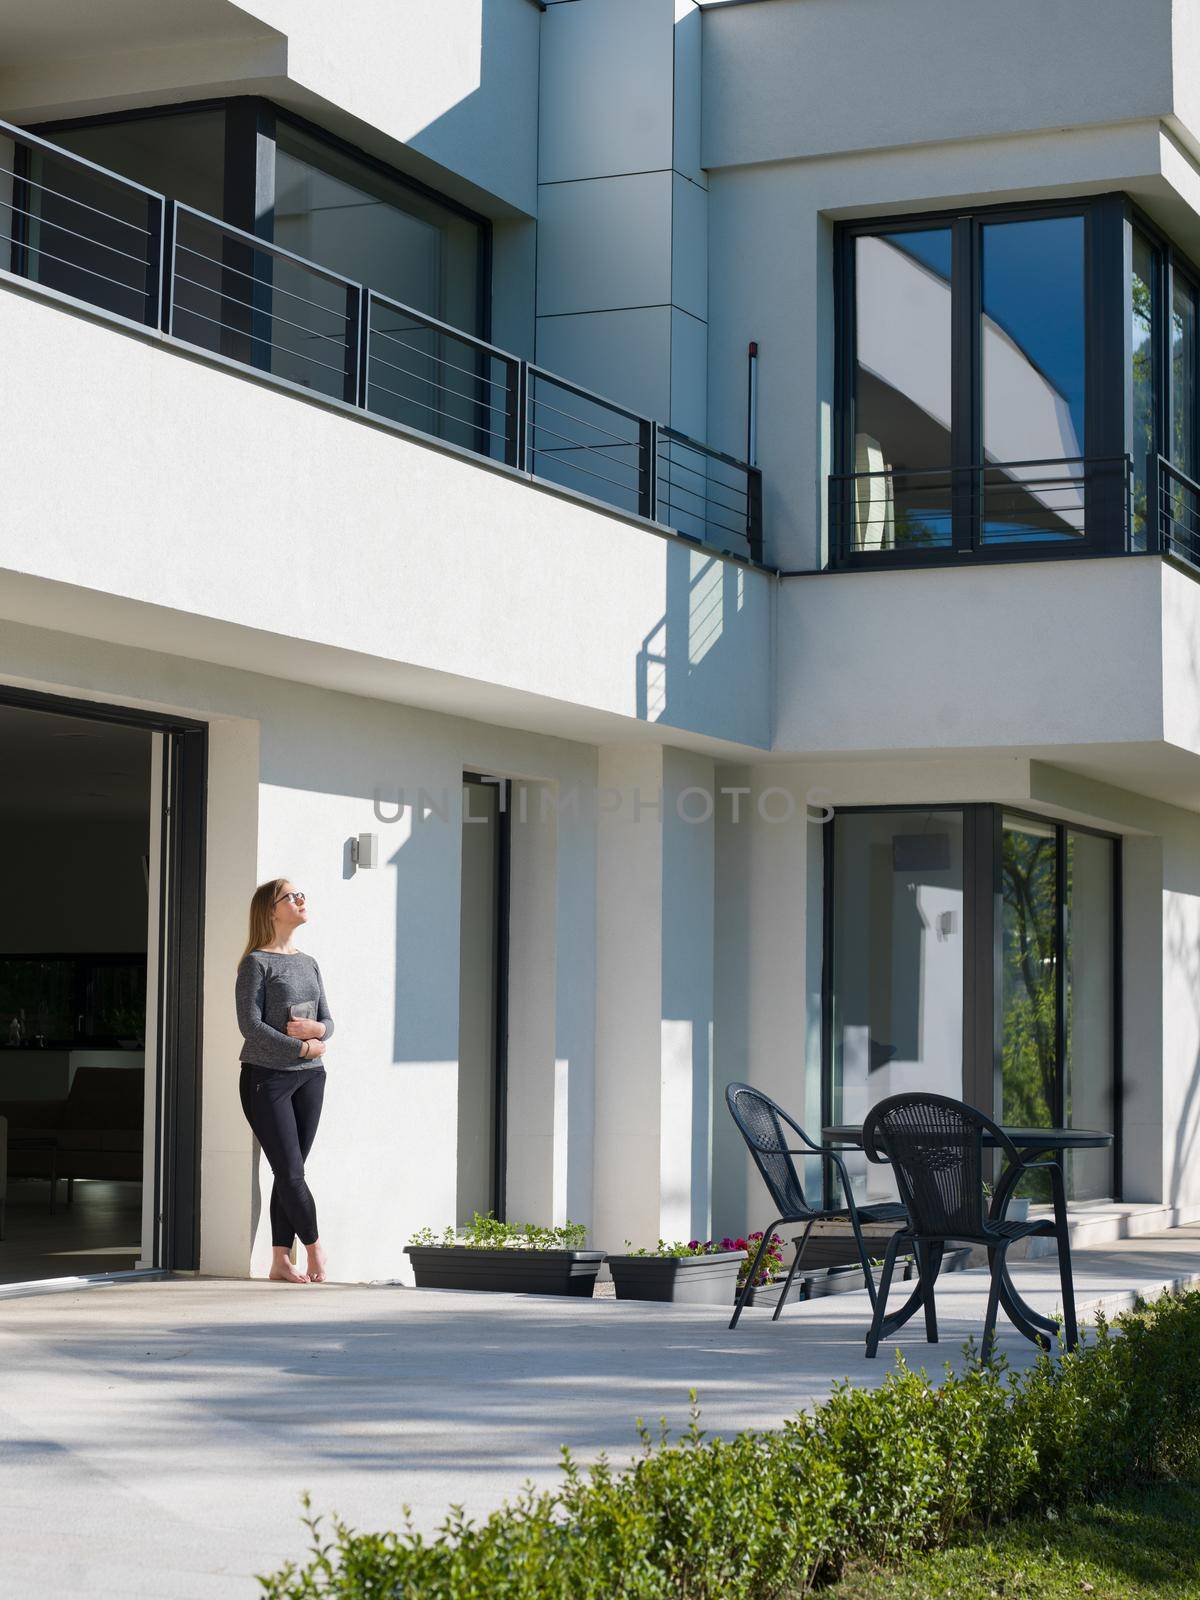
(296, 896)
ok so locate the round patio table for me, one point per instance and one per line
(1031, 1143)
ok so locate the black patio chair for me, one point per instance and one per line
(763, 1125)
(935, 1147)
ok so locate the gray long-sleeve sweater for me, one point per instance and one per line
(268, 985)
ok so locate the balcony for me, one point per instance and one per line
(88, 236)
(219, 493)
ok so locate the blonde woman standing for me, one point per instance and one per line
(285, 1023)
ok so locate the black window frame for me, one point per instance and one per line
(249, 176)
(1107, 223)
(1169, 261)
(983, 933)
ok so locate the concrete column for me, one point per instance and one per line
(229, 1190)
(768, 970)
(622, 296)
(655, 867)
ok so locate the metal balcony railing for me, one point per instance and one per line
(1176, 530)
(100, 240)
(992, 507)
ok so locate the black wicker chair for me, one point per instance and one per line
(764, 1126)
(935, 1147)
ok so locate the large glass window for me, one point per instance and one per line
(967, 379)
(897, 962)
(181, 154)
(336, 210)
(902, 390)
(1032, 354)
(89, 237)
(973, 953)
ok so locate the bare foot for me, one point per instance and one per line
(316, 1262)
(284, 1272)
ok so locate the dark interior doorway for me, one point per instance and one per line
(101, 845)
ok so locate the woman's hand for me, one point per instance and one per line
(316, 1049)
(305, 1028)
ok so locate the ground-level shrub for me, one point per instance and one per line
(870, 1473)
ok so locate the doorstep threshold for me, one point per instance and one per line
(86, 1280)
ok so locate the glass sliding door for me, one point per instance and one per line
(902, 391)
(896, 997)
(1057, 1002)
(973, 953)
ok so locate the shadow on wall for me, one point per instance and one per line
(705, 663)
(488, 133)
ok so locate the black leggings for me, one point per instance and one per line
(283, 1107)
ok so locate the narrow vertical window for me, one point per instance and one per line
(1178, 502)
(1032, 353)
(1141, 382)
(1183, 376)
(902, 378)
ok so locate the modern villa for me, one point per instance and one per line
(676, 524)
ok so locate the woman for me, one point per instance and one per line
(285, 1021)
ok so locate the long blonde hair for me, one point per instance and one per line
(262, 914)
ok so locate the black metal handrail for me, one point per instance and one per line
(1044, 503)
(1176, 529)
(97, 239)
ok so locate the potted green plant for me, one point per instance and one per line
(701, 1272)
(505, 1258)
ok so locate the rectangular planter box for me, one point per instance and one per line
(845, 1277)
(505, 1271)
(687, 1280)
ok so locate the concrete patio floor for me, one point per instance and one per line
(156, 1438)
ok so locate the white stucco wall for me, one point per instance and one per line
(282, 525)
(1018, 656)
(293, 776)
(804, 78)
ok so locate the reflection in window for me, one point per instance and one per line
(1183, 376)
(897, 962)
(1034, 899)
(1141, 377)
(1029, 1052)
(338, 211)
(1032, 344)
(1178, 502)
(180, 154)
(902, 390)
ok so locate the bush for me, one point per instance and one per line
(875, 1473)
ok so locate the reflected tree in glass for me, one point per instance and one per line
(1141, 379)
(1029, 1039)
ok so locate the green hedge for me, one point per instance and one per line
(873, 1473)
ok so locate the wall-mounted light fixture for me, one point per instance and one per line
(364, 851)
